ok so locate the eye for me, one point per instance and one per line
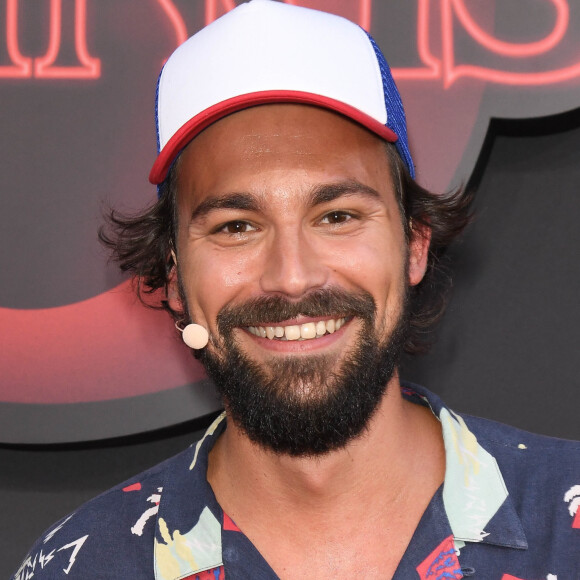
(236, 227)
(336, 217)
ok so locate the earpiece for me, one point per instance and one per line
(194, 335)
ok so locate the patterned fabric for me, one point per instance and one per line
(508, 510)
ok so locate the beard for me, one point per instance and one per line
(305, 405)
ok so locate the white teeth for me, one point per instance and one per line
(292, 332)
(305, 331)
(308, 330)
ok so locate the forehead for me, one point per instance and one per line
(298, 145)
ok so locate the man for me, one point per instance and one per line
(299, 258)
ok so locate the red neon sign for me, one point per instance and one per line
(44, 66)
(452, 72)
(453, 13)
(21, 66)
(516, 50)
(445, 68)
(211, 9)
(89, 67)
(176, 20)
(432, 68)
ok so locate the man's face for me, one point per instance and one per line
(288, 225)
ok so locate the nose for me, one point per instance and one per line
(293, 264)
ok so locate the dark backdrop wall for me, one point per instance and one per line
(508, 347)
(95, 388)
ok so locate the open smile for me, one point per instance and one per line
(306, 331)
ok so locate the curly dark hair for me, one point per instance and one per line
(142, 245)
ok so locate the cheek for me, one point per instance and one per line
(214, 279)
(377, 265)
(229, 272)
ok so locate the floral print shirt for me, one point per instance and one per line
(507, 510)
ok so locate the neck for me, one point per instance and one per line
(401, 441)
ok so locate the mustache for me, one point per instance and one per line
(328, 302)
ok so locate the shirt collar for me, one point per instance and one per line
(476, 501)
(188, 537)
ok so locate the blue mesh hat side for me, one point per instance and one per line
(396, 120)
(157, 111)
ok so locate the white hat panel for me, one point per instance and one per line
(327, 56)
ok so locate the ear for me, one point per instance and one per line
(418, 251)
(173, 287)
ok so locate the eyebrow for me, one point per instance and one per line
(325, 193)
(331, 191)
(243, 201)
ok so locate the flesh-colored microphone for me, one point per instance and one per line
(194, 335)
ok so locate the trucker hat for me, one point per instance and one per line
(265, 51)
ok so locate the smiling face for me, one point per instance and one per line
(291, 252)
